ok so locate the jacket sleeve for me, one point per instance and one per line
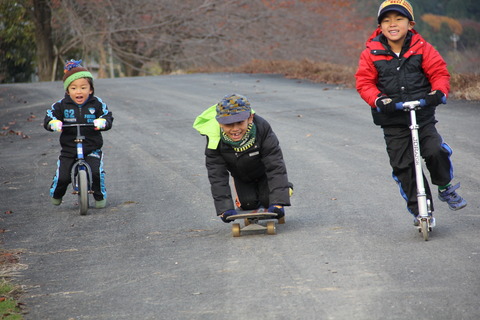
(218, 176)
(54, 113)
(367, 78)
(105, 114)
(275, 168)
(436, 69)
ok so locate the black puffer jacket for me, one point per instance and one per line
(264, 158)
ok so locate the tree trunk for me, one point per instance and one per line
(42, 15)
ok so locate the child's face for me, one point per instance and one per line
(79, 90)
(395, 27)
(236, 130)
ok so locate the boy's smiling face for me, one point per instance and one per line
(237, 130)
(395, 27)
(79, 90)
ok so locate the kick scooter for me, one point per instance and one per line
(81, 171)
(425, 218)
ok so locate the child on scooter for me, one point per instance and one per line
(242, 144)
(398, 65)
(79, 106)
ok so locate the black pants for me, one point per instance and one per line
(253, 195)
(63, 178)
(433, 150)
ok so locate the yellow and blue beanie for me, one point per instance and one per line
(402, 6)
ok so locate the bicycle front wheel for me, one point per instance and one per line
(83, 191)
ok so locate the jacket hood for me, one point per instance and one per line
(207, 125)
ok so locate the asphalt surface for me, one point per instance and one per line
(347, 251)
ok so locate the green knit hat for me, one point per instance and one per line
(73, 71)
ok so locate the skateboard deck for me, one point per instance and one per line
(252, 220)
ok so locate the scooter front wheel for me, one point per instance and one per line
(424, 228)
(83, 191)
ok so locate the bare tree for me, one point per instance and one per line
(43, 39)
(139, 34)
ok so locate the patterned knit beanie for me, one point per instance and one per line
(73, 70)
(401, 6)
(233, 108)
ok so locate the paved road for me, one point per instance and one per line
(347, 251)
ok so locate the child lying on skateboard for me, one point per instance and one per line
(242, 144)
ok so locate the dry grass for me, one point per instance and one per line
(304, 69)
(10, 293)
(463, 86)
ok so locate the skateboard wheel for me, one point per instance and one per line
(281, 220)
(236, 230)
(246, 221)
(271, 228)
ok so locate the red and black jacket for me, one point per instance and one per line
(418, 70)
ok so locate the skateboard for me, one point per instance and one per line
(252, 220)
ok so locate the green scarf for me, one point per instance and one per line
(246, 142)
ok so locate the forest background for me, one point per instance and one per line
(310, 39)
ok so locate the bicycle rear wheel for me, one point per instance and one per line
(83, 191)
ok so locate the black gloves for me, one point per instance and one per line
(434, 98)
(385, 104)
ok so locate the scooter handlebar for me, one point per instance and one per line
(415, 104)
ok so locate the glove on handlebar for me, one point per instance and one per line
(434, 98)
(56, 125)
(99, 123)
(385, 105)
(227, 214)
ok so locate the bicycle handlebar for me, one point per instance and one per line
(77, 125)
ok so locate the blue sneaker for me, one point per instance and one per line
(416, 222)
(455, 201)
